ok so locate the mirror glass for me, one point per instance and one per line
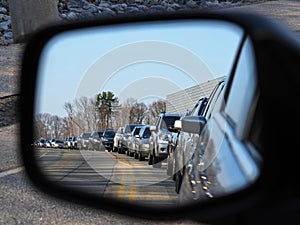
(93, 82)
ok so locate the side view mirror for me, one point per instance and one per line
(178, 125)
(193, 124)
(124, 70)
(153, 128)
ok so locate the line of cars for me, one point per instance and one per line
(203, 145)
(175, 138)
(69, 143)
(143, 141)
(96, 140)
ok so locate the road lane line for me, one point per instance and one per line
(11, 171)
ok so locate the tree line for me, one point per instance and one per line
(104, 111)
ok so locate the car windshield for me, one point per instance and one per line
(136, 130)
(109, 133)
(100, 133)
(147, 133)
(169, 121)
(86, 135)
(129, 128)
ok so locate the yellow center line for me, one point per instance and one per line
(130, 190)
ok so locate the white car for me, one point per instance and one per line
(118, 139)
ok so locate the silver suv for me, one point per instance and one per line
(160, 137)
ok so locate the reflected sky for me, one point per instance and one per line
(140, 61)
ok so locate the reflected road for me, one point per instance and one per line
(108, 174)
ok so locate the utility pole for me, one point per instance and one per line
(27, 16)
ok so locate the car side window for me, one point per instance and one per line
(147, 133)
(213, 99)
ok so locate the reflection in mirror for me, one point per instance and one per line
(100, 89)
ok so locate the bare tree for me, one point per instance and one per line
(70, 111)
(41, 125)
(154, 109)
(83, 113)
(122, 112)
(57, 126)
(137, 113)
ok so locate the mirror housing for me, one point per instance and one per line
(178, 125)
(193, 124)
(153, 128)
(273, 46)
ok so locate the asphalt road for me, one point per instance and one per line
(22, 203)
(108, 174)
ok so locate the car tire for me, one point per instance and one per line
(150, 159)
(140, 157)
(169, 167)
(178, 181)
(156, 162)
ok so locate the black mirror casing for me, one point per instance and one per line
(277, 55)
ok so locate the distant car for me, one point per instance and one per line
(35, 143)
(48, 143)
(68, 142)
(131, 138)
(58, 144)
(141, 143)
(107, 140)
(74, 142)
(42, 143)
(95, 140)
(118, 139)
(83, 140)
(52, 141)
(127, 131)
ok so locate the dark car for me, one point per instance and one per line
(83, 140)
(95, 140)
(126, 134)
(107, 140)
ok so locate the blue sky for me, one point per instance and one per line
(143, 61)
